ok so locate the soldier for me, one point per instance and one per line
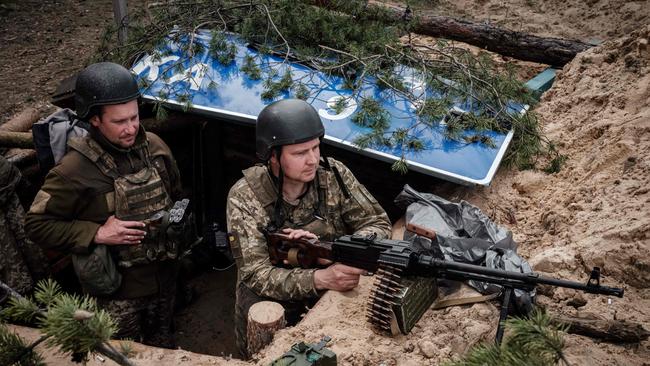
(317, 198)
(21, 261)
(95, 204)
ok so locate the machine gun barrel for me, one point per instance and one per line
(462, 271)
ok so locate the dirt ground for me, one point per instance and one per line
(595, 212)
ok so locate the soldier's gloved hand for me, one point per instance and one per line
(118, 232)
(337, 277)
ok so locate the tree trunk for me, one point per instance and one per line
(16, 139)
(264, 319)
(615, 331)
(546, 50)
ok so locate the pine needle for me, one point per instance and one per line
(14, 347)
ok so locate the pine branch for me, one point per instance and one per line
(351, 41)
(72, 323)
(533, 341)
(16, 352)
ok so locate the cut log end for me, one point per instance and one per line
(264, 319)
(266, 312)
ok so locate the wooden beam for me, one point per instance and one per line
(21, 121)
(546, 50)
(615, 331)
(16, 139)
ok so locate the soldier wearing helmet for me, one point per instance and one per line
(94, 204)
(304, 195)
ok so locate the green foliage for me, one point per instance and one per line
(556, 163)
(400, 166)
(72, 323)
(274, 88)
(221, 49)
(47, 291)
(74, 333)
(13, 347)
(21, 310)
(250, 68)
(433, 110)
(355, 41)
(301, 91)
(340, 105)
(126, 348)
(372, 114)
(534, 341)
(160, 111)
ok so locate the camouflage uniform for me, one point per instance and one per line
(77, 198)
(250, 209)
(21, 261)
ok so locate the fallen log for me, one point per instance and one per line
(16, 139)
(21, 158)
(615, 331)
(22, 121)
(545, 50)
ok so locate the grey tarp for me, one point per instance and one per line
(464, 234)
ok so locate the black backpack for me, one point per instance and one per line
(51, 136)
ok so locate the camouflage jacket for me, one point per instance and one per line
(77, 198)
(249, 210)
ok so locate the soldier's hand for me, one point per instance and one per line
(299, 233)
(337, 277)
(118, 232)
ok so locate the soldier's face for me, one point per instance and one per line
(300, 161)
(119, 123)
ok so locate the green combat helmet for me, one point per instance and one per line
(303, 354)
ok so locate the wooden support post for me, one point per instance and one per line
(264, 319)
(121, 19)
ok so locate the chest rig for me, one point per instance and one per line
(318, 215)
(140, 196)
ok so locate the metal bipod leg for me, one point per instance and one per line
(505, 307)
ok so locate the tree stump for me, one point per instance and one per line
(264, 319)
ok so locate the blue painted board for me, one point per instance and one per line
(225, 92)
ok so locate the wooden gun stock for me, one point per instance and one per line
(296, 252)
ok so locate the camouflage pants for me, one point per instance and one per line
(21, 261)
(245, 298)
(145, 319)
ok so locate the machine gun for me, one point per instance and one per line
(393, 259)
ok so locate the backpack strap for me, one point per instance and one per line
(328, 166)
(89, 148)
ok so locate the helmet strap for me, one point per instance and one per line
(278, 212)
